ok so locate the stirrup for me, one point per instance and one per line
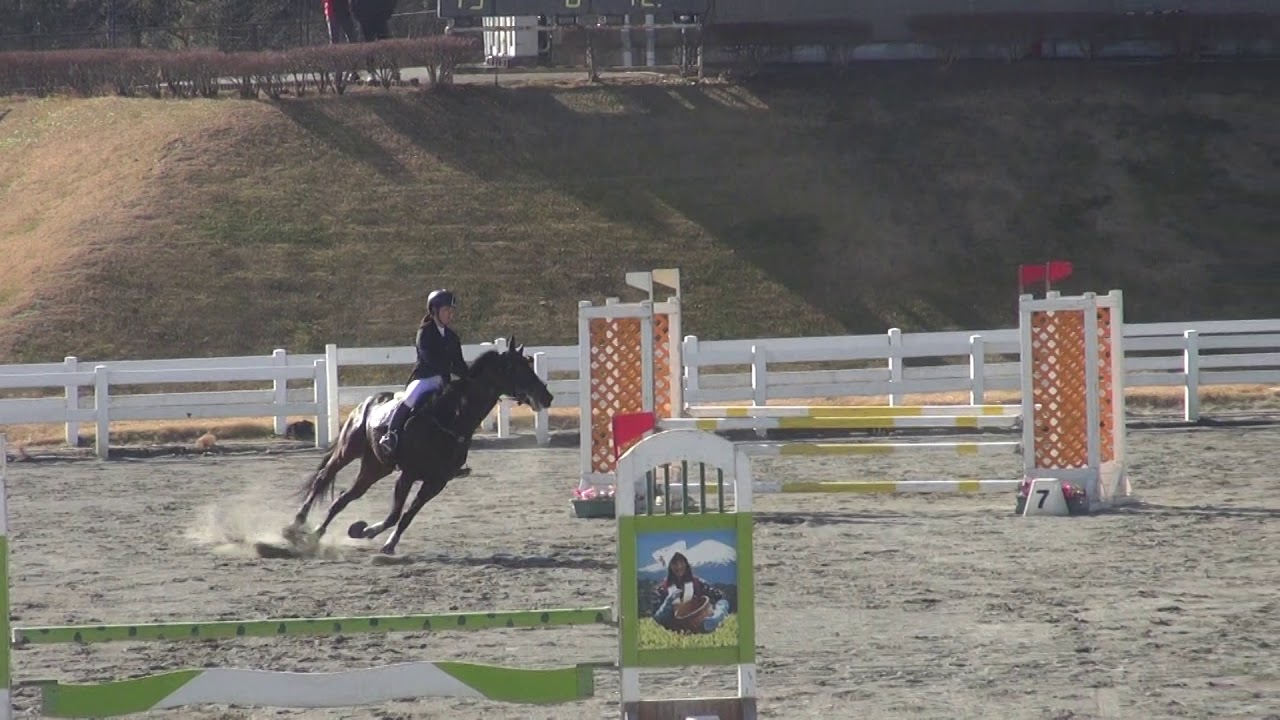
(390, 442)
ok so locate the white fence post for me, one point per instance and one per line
(71, 364)
(759, 376)
(689, 349)
(503, 419)
(333, 412)
(280, 358)
(977, 367)
(102, 410)
(321, 398)
(1191, 368)
(542, 419)
(895, 366)
(759, 380)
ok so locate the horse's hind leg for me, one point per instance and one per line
(430, 488)
(324, 478)
(371, 472)
(404, 484)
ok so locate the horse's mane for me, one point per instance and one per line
(478, 365)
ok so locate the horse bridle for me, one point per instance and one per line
(520, 400)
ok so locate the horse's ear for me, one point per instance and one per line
(511, 342)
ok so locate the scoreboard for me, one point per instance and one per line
(525, 8)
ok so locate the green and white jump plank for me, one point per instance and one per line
(225, 686)
(291, 627)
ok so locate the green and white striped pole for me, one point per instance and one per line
(318, 690)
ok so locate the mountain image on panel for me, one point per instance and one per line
(711, 560)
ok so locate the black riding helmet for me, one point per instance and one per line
(440, 299)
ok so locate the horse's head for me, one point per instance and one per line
(511, 374)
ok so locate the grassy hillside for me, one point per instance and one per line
(809, 204)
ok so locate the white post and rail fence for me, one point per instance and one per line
(1190, 356)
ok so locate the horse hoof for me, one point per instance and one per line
(356, 531)
(294, 534)
(387, 550)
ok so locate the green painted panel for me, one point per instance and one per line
(746, 588)
(113, 698)
(518, 685)
(62, 634)
(629, 609)
(4, 596)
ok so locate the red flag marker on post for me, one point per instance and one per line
(1049, 272)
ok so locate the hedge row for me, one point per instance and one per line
(202, 73)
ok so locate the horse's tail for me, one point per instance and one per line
(321, 482)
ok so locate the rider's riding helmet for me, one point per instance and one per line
(440, 299)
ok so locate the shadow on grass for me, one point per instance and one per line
(312, 117)
(903, 199)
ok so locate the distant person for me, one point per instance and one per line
(341, 27)
(374, 17)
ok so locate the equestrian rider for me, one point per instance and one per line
(439, 355)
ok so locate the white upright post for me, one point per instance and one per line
(895, 367)
(542, 418)
(320, 396)
(675, 353)
(102, 410)
(280, 392)
(333, 393)
(977, 370)
(72, 394)
(1191, 375)
(584, 394)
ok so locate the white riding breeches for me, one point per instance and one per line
(420, 388)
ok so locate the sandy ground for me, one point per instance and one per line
(869, 607)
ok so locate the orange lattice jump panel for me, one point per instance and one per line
(617, 379)
(662, 366)
(1059, 388)
(1106, 386)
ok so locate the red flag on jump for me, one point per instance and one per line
(1048, 273)
(628, 428)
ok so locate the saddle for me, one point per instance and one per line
(380, 415)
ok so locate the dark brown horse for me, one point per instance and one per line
(432, 448)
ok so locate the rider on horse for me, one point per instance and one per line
(439, 356)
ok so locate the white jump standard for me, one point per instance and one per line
(1071, 413)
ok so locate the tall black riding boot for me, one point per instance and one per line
(391, 441)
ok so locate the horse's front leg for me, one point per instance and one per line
(431, 486)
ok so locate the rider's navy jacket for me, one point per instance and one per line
(438, 353)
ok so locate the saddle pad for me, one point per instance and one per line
(380, 414)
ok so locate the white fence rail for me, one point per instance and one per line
(1189, 355)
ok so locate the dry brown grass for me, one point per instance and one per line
(899, 196)
(1235, 398)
